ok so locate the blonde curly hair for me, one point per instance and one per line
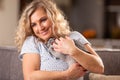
(60, 24)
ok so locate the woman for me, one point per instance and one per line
(40, 21)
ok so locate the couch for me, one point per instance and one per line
(111, 61)
(11, 66)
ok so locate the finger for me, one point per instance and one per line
(78, 64)
(61, 38)
(82, 73)
(55, 45)
(56, 41)
(83, 69)
(67, 37)
(74, 64)
(56, 49)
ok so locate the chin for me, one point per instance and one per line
(45, 38)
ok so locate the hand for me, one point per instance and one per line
(64, 45)
(75, 71)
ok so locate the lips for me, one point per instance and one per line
(44, 32)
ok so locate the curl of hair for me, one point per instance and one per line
(60, 24)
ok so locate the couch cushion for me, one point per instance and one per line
(10, 65)
(111, 61)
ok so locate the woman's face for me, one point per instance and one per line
(41, 24)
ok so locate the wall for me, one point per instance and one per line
(8, 21)
(87, 14)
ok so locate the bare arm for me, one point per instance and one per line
(31, 70)
(91, 62)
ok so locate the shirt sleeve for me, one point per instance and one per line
(29, 46)
(79, 37)
(79, 40)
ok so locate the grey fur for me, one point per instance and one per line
(58, 55)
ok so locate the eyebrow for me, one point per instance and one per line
(43, 17)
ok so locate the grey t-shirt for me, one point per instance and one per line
(48, 63)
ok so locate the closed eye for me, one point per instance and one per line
(43, 19)
(33, 24)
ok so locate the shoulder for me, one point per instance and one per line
(31, 40)
(30, 43)
(75, 34)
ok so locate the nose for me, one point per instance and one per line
(40, 27)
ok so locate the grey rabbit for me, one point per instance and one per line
(58, 55)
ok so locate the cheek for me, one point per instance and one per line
(34, 30)
(48, 23)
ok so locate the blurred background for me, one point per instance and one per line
(95, 19)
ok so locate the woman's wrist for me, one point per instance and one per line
(73, 51)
